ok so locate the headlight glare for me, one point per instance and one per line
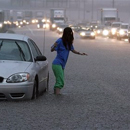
(19, 77)
(61, 30)
(113, 31)
(98, 31)
(82, 33)
(54, 25)
(1, 25)
(105, 32)
(121, 32)
(38, 25)
(92, 34)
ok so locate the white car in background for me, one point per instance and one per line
(122, 32)
(114, 28)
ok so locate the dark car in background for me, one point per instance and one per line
(87, 32)
(75, 28)
(61, 27)
(41, 24)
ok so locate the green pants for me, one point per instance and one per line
(59, 75)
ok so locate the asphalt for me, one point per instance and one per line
(95, 96)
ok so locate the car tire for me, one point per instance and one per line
(120, 38)
(47, 87)
(129, 40)
(35, 90)
(110, 36)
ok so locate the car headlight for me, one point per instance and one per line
(121, 32)
(47, 25)
(1, 25)
(82, 33)
(27, 22)
(43, 20)
(33, 21)
(19, 77)
(48, 20)
(44, 25)
(60, 29)
(54, 25)
(92, 34)
(98, 31)
(113, 31)
(38, 25)
(105, 32)
(36, 21)
(21, 23)
(5, 22)
(24, 21)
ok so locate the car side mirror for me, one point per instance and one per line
(40, 58)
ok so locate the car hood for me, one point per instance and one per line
(8, 68)
(86, 31)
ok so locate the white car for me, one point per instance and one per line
(122, 32)
(23, 69)
(113, 29)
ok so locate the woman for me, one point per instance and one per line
(63, 46)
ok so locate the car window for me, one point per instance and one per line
(35, 50)
(124, 26)
(115, 25)
(14, 50)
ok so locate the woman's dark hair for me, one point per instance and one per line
(67, 38)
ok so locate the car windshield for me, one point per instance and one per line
(40, 22)
(115, 25)
(124, 26)
(86, 29)
(63, 25)
(74, 27)
(14, 50)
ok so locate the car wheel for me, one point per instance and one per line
(129, 40)
(35, 90)
(120, 38)
(47, 87)
(110, 37)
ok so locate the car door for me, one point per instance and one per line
(41, 66)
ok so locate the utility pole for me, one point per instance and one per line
(44, 41)
(92, 11)
(84, 10)
(79, 11)
(113, 3)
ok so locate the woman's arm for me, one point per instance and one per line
(53, 47)
(79, 53)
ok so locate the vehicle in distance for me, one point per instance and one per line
(61, 27)
(41, 24)
(122, 33)
(86, 32)
(23, 69)
(114, 28)
(75, 28)
(98, 31)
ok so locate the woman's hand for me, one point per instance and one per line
(84, 54)
(76, 52)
